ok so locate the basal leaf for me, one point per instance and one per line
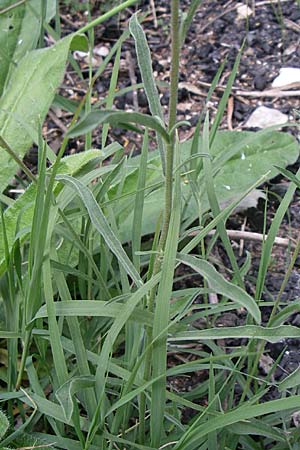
(239, 160)
(27, 98)
(95, 309)
(19, 33)
(190, 439)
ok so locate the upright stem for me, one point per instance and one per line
(174, 62)
(175, 50)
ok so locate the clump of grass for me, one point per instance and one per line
(91, 320)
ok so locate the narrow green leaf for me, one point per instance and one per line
(111, 92)
(225, 97)
(272, 334)
(9, 334)
(102, 226)
(272, 233)
(94, 309)
(214, 202)
(245, 412)
(291, 381)
(117, 118)
(145, 66)
(188, 18)
(161, 317)
(284, 314)
(103, 362)
(4, 424)
(139, 203)
(65, 393)
(257, 427)
(289, 175)
(112, 11)
(220, 285)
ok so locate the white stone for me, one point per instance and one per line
(287, 75)
(243, 11)
(80, 55)
(101, 51)
(264, 117)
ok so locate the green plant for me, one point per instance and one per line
(93, 301)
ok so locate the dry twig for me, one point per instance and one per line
(251, 236)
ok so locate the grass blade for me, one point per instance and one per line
(225, 96)
(145, 66)
(245, 412)
(161, 318)
(107, 348)
(111, 92)
(139, 204)
(102, 226)
(117, 118)
(220, 285)
(93, 308)
(272, 233)
(271, 334)
(188, 18)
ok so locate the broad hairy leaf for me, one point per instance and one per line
(19, 33)
(27, 98)
(239, 160)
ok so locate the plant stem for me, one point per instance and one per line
(175, 50)
(11, 153)
(174, 62)
(9, 8)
